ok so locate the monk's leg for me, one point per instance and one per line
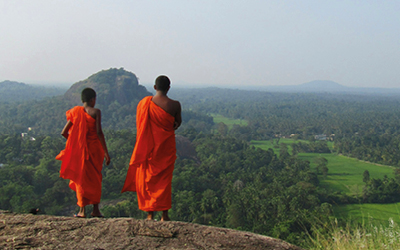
(165, 216)
(82, 201)
(150, 215)
(96, 211)
(81, 212)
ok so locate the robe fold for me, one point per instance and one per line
(83, 156)
(152, 162)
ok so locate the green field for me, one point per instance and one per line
(228, 121)
(378, 214)
(345, 175)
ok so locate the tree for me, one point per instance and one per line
(325, 171)
(366, 176)
(321, 163)
(283, 151)
(222, 129)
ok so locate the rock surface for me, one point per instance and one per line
(112, 86)
(27, 231)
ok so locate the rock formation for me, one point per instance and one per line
(112, 85)
(27, 231)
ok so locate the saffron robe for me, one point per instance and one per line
(83, 156)
(152, 162)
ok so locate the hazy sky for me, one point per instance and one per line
(218, 42)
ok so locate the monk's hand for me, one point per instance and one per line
(108, 159)
(176, 125)
(65, 135)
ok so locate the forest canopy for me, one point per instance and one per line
(12, 92)
(220, 178)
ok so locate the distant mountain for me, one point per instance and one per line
(320, 86)
(112, 85)
(118, 93)
(11, 91)
(11, 85)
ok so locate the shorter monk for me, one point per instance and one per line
(83, 156)
(154, 155)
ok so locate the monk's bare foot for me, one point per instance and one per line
(96, 212)
(79, 215)
(150, 215)
(99, 215)
(165, 219)
(165, 216)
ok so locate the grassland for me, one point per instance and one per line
(345, 175)
(355, 236)
(376, 214)
(228, 121)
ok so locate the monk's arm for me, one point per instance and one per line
(101, 136)
(178, 116)
(66, 128)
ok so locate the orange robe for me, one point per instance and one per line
(83, 156)
(153, 158)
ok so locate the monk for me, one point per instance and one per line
(83, 156)
(154, 155)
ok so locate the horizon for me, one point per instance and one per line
(183, 85)
(220, 43)
(186, 85)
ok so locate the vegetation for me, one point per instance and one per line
(352, 236)
(227, 121)
(345, 173)
(230, 176)
(16, 92)
(243, 172)
(377, 214)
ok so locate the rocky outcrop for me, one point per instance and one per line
(112, 85)
(185, 149)
(27, 231)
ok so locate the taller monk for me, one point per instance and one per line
(152, 162)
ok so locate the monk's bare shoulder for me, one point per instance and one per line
(176, 106)
(176, 103)
(97, 113)
(93, 112)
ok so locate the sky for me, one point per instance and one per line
(225, 43)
